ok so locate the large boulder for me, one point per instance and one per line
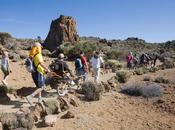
(62, 30)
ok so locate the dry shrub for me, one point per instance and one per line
(11, 121)
(147, 91)
(122, 76)
(52, 106)
(153, 69)
(147, 78)
(91, 91)
(141, 71)
(114, 64)
(161, 80)
(168, 63)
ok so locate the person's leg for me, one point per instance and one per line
(40, 83)
(84, 75)
(98, 75)
(95, 75)
(79, 74)
(4, 81)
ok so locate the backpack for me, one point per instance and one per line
(29, 65)
(78, 64)
(58, 67)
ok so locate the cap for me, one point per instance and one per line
(61, 56)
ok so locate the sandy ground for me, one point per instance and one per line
(115, 111)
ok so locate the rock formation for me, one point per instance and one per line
(62, 30)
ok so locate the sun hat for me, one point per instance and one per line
(37, 44)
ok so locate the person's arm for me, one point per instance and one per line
(86, 66)
(45, 68)
(102, 62)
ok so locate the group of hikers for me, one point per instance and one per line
(38, 69)
(145, 59)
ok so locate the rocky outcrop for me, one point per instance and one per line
(62, 30)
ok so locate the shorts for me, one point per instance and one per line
(38, 79)
(5, 70)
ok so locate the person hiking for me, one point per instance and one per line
(129, 59)
(144, 59)
(84, 65)
(135, 61)
(5, 66)
(96, 62)
(79, 69)
(155, 60)
(39, 70)
(61, 69)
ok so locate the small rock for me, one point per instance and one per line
(160, 101)
(50, 120)
(68, 115)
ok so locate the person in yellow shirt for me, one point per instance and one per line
(40, 69)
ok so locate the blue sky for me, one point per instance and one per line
(151, 20)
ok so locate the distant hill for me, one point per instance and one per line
(114, 49)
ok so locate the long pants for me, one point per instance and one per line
(96, 72)
(82, 73)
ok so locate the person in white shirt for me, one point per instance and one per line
(96, 62)
(5, 66)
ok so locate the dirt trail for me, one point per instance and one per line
(114, 112)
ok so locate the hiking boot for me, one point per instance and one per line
(29, 100)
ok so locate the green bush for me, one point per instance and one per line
(114, 64)
(168, 63)
(5, 35)
(122, 76)
(161, 80)
(153, 69)
(141, 71)
(91, 91)
(73, 50)
(113, 54)
(52, 106)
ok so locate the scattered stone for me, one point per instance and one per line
(160, 101)
(64, 104)
(68, 115)
(38, 111)
(50, 120)
(3, 94)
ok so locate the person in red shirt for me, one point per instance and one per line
(85, 65)
(129, 59)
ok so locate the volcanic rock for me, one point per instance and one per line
(62, 30)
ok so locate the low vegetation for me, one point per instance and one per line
(122, 76)
(161, 80)
(147, 91)
(92, 92)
